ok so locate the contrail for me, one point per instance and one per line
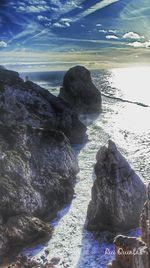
(95, 7)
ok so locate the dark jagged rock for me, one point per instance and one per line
(37, 164)
(38, 170)
(25, 103)
(21, 230)
(37, 176)
(79, 90)
(132, 252)
(118, 193)
(4, 243)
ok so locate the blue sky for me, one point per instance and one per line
(43, 29)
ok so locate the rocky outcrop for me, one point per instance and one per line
(38, 170)
(118, 193)
(79, 90)
(25, 103)
(37, 164)
(132, 252)
(22, 230)
(37, 176)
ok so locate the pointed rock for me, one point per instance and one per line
(118, 194)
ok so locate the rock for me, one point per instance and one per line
(132, 252)
(79, 90)
(24, 262)
(118, 194)
(55, 260)
(38, 166)
(46, 251)
(25, 103)
(4, 245)
(21, 230)
(145, 220)
(38, 171)
(37, 177)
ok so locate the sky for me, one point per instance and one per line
(60, 33)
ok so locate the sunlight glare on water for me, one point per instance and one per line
(133, 83)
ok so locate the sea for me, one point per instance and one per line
(125, 120)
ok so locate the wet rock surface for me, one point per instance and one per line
(132, 252)
(118, 193)
(79, 90)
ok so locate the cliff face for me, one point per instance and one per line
(38, 169)
(37, 164)
(79, 90)
(118, 194)
(132, 252)
(37, 176)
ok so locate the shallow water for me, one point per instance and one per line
(128, 125)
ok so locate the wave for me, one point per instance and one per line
(124, 100)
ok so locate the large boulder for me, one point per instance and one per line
(118, 194)
(134, 252)
(79, 90)
(25, 103)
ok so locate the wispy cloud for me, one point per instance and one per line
(74, 25)
(62, 23)
(3, 44)
(96, 7)
(112, 37)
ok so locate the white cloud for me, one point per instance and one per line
(112, 31)
(43, 18)
(3, 44)
(64, 22)
(102, 31)
(132, 35)
(33, 8)
(98, 25)
(138, 44)
(112, 37)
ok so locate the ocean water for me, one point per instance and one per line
(125, 120)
